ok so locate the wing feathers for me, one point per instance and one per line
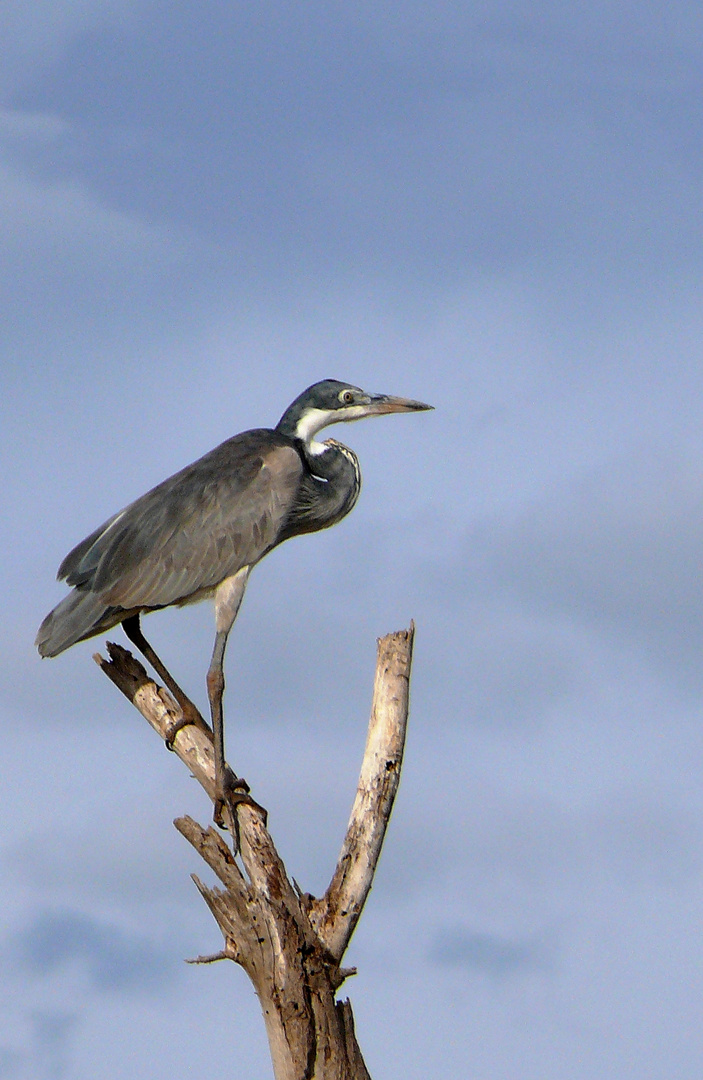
(185, 536)
(180, 540)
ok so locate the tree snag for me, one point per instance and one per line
(289, 943)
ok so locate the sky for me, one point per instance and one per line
(493, 208)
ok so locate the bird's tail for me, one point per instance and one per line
(80, 615)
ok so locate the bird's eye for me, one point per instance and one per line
(346, 397)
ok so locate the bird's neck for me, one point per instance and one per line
(334, 483)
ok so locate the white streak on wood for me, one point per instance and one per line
(337, 913)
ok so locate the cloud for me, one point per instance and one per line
(65, 218)
(618, 552)
(17, 127)
(53, 1031)
(43, 1040)
(35, 36)
(396, 148)
(538, 861)
(488, 953)
(112, 959)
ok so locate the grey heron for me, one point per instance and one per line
(200, 533)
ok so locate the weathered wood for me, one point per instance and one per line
(291, 944)
(191, 744)
(335, 916)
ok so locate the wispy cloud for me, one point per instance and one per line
(491, 954)
(112, 959)
(37, 36)
(618, 552)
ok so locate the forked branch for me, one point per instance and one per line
(291, 945)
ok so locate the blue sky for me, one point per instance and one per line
(496, 209)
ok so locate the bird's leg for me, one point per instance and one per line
(226, 783)
(230, 790)
(190, 712)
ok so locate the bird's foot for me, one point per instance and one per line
(189, 715)
(235, 792)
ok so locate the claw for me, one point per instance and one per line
(186, 718)
(235, 793)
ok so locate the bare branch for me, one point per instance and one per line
(213, 959)
(336, 915)
(289, 943)
(192, 745)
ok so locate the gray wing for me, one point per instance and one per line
(202, 525)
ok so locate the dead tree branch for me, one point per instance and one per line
(291, 945)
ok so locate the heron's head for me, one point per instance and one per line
(332, 402)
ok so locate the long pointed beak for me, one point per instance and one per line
(385, 403)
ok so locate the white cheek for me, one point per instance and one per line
(311, 422)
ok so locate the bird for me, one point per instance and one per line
(199, 534)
